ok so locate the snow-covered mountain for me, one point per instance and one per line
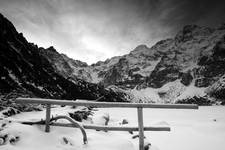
(166, 61)
(25, 69)
(188, 68)
(170, 69)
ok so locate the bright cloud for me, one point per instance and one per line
(93, 30)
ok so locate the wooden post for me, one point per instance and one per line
(141, 128)
(48, 114)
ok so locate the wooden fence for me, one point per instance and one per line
(138, 106)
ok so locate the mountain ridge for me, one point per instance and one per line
(195, 57)
(166, 72)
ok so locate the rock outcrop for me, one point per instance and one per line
(38, 72)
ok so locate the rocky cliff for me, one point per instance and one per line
(26, 68)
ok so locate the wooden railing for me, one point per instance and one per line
(139, 107)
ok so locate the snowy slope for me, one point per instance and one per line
(169, 93)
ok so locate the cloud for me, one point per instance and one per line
(92, 30)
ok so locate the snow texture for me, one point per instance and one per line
(190, 130)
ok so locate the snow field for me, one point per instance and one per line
(202, 129)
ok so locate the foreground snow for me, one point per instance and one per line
(202, 129)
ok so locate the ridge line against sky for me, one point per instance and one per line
(93, 30)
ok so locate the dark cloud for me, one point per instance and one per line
(92, 30)
(203, 12)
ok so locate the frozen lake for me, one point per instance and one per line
(202, 129)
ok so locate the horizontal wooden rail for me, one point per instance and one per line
(104, 104)
(113, 128)
(97, 127)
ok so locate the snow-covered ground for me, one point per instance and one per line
(202, 129)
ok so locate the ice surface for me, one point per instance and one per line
(202, 129)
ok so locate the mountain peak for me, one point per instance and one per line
(51, 48)
(1, 16)
(143, 46)
(139, 48)
(7, 29)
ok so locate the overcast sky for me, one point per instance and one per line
(92, 30)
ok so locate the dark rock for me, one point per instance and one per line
(186, 78)
(11, 111)
(202, 82)
(160, 77)
(196, 100)
(219, 50)
(13, 140)
(81, 115)
(66, 141)
(125, 121)
(116, 73)
(147, 146)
